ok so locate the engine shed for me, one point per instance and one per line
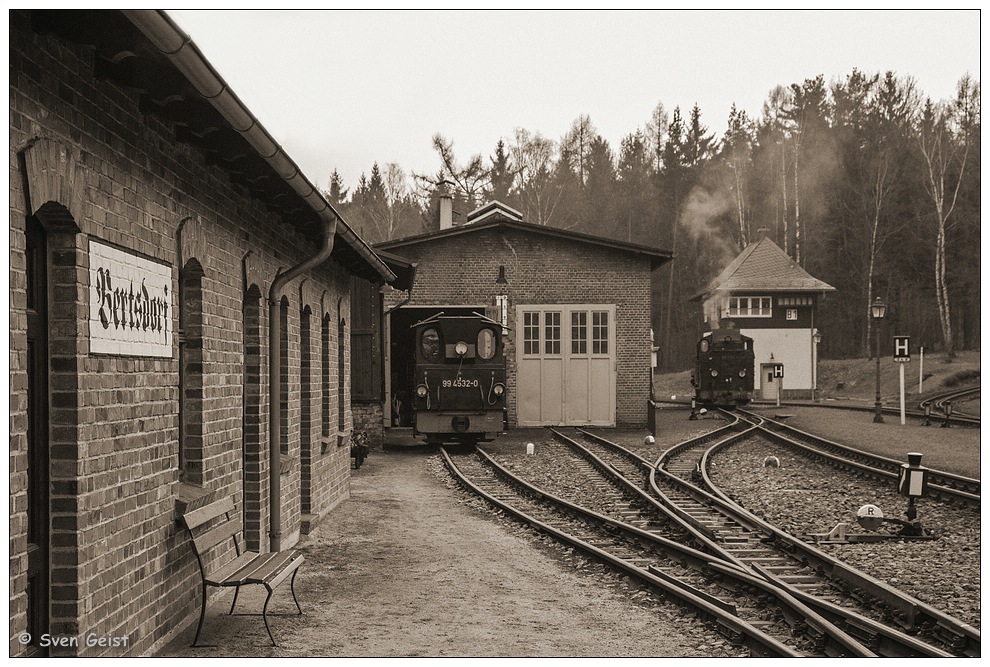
(767, 296)
(575, 310)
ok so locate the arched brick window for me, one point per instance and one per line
(306, 410)
(283, 379)
(341, 376)
(325, 373)
(254, 480)
(191, 373)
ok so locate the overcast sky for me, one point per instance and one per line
(346, 89)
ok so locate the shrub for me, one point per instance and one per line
(961, 377)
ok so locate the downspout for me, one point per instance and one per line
(275, 372)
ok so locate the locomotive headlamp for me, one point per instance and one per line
(422, 391)
(461, 348)
(714, 373)
(499, 389)
(742, 373)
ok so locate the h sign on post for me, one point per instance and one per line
(902, 348)
(902, 353)
(778, 370)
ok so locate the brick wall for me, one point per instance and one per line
(89, 164)
(540, 269)
(368, 418)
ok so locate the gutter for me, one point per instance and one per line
(186, 57)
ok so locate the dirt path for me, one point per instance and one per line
(409, 567)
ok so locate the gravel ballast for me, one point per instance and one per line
(805, 497)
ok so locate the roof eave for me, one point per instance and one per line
(177, 46)
(657, 257)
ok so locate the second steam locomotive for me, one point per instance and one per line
(459, 390)
(723, 375)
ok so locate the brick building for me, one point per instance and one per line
(576, 309)
(770, 298)
(179, 326)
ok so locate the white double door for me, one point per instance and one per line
(565, 365)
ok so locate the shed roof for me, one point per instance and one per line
(763, 266)
(656, 256)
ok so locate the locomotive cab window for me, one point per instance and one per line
(486, 344)
(430, 345)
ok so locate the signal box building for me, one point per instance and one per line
(575, 309)
(179, 326)
(765, 295)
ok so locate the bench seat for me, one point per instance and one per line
(214, 533)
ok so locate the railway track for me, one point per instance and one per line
(939, 404)
(934, 415)
(689, 577)
(885, 619)
(907, 612)
(736, 544)
(944, 485)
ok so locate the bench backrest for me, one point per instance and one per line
(206, 533)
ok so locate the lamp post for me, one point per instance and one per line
(878, 309)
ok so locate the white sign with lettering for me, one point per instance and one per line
(902, 348)
(130, 304)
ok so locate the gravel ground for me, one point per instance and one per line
(411, 566)
(803, 496)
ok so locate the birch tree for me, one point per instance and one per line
(737, 147)
(944, 139)
(539, 193)
(778, 126)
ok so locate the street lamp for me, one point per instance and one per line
(878, 310)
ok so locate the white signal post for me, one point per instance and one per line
(902, 395)
(921, 369)
(902, 355)
(778, 372)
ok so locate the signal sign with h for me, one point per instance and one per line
(902, 348)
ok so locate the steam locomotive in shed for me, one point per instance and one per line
(723, 375)
(459, 390)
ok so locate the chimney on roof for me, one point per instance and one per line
(446, 205)
(446, 211)
(761, 233)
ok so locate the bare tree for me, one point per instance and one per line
(396, 191)
(470, 179)
(945, 141)
(738, 147)
(533, 157)
(775, 117)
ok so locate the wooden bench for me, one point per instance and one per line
(213, 532)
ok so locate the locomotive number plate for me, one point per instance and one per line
(460, 383)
